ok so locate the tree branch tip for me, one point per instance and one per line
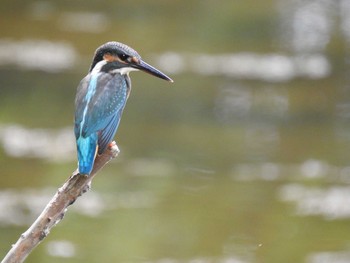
(115, 153)
(114, 149)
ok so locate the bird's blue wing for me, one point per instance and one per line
(107, 134)
(99, 103)
(105, 107)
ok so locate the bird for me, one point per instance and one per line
(101, 97)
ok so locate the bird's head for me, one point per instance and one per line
(117, 56)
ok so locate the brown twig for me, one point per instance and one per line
(55, 210)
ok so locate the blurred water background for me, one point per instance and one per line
(244, 159)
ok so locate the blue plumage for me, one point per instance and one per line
(100, 101)
(86, 152)
(101, 98)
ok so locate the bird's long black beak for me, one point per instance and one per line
(151, 70)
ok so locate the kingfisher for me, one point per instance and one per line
(101, 98)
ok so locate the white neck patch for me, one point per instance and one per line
(124, 71)
(121, 71)
(98, 67)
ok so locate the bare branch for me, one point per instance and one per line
(55, 210)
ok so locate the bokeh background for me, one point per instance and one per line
(244, 159)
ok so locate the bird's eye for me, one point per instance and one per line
(123, 57)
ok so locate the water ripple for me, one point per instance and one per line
(37, 54)
(53, 145)
(330, 203)
(248, 65)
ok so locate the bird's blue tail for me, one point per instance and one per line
(86, 153)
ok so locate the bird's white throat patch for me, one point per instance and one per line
(124, 71)
(121, 71)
